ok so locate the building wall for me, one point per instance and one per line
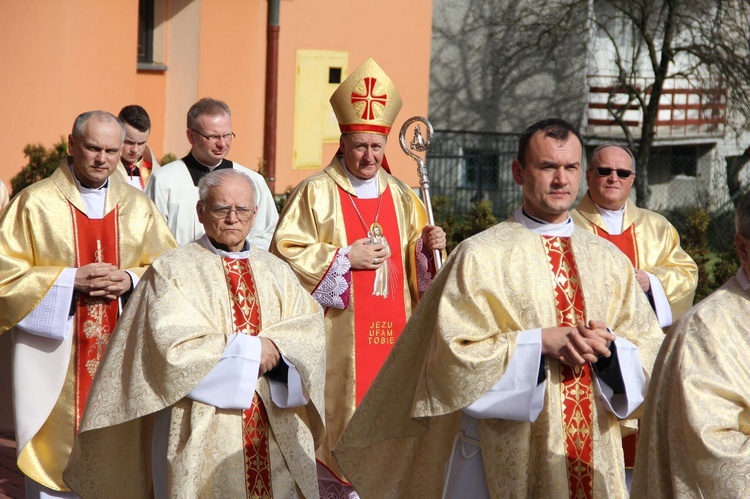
(69, 57)
(61, 58)
(396, 34)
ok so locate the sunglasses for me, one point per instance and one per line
(606, 172)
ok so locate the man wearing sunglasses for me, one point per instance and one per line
(174, 187)
(665, 272)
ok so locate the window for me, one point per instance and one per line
(481, 169)
(146, 31)
(334, 75)
(668, 162)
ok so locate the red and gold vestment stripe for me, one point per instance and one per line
(95, 241)
(255, 427)
(577, 393)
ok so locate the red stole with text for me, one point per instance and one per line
(95, 241)
(378, 320)
(255, 425)
(627, 244)
(575, 382)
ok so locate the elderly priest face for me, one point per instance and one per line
(227, 208)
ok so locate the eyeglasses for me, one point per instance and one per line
(215, 138)
(621, 172)
(222, 212)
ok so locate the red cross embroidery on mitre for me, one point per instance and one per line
(369, 98)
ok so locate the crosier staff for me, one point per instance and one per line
(421, 143)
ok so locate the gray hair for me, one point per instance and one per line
(206, 107)
(594, 155)
(79, 125)
(742, 215)
(217, 178)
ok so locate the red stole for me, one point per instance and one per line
(255, 425)
(95, 241)
(378, 320)
(627, 244)
(575, 382)
(625, 241)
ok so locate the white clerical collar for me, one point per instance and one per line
(364, 188)
(564, 229)
(612, 219)
(237, 255)
(742, 279)
(93, 199)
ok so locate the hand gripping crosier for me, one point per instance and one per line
(421, 143)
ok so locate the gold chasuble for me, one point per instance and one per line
(652, 244)
(44, 230)
(626, 243)
(458, 344)
(695, 438)
(318, 221)
(173, 332)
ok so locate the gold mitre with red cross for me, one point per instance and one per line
(367, 101)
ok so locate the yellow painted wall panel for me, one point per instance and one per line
(314, 121)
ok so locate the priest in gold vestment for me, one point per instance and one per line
(357, 238)
(506, 381)
(664, 270)
(71, 247)
(695, 439)
(220, 356)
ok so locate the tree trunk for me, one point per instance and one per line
(651, 113)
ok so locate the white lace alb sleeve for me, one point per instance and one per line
(333, 288)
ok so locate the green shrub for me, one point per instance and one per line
(458, 228)
(167, 158)
(716, 260)
(42, 162)
(695, 243)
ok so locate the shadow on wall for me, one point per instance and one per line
(498, 67)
